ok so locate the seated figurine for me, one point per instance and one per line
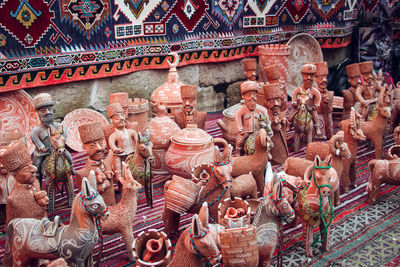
(122, 141)
(26, 200)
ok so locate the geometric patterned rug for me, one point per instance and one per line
(361, 234)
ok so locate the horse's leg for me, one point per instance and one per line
(296, 142)
(345, 177)
(324, 236)
(148, 189)
(308, 238)
(309, 137)
(51, 191)
(352, 174)
(171, 221)
(337, 197)
(70, 190)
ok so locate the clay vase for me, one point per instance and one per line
(161, 129)
(169, 93)
(239, 247)
(234, 213)
(189, 147)
(181, 194)
(138, 112)
(152, 248)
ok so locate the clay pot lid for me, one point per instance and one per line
(191, 135)
(17, 115)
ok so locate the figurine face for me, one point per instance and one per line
(367, 77)
(355, 81)
(46, 115)
(308, 79)
(250, 98)
(25, 174)
(95, 149)
(188, 104)
(274, 104)
(118, 120)
(322, 81)
(251, 75)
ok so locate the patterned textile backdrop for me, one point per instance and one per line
(46, 42)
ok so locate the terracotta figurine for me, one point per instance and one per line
(250, 68)
(26, 200)
(396, 135)
(122, 215)
(326, 107)
(43, 105)
(250, 117)
(366, 92)
(274, 99)
(29, 240)
(189, 113)
(307, 95)
(123, 99)
(92, 137)
(273, 75)
(7, 183)
(268, 220)
(122, 141)
(349, 95)
(384, 171)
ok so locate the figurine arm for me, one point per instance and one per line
(359, 96)
(317, 97)
(294, 96)
(112, 142)
(238, 118)
(347, 99)
(134, 135)
(36, 140)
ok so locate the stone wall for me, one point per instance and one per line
(218, 85)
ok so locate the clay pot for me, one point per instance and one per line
(201, 173)
(189, 147)
(161, 130)
(239, 247)
(228, 124)
(138, 112)
(169, 93)
(270, 54)
(181, 194)
(152, 248)
(234, 213)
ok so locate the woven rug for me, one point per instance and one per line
(361, 234)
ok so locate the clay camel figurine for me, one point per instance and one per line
(255, 163)
(75, 242)
(122, 215)
(198, 245)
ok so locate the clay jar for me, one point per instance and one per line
(138, 112)
(152, 248)
(239, 247)
(190, 147)
(228, 124)
(181, 194)
(230, 213)
(161, 129)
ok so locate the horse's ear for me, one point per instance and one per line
(317, 161)
(85, 187)
(328, 160)
(92, 179)
(147, 134)
(276, 188)
(196, 225)
(140, 136)
(217, 155)
(203, 214)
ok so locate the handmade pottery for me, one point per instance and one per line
(138, 114)
(271, 54)
(303, 49)
(17, 115)
(188, 114)
(122, 215)
(274, 76)
(189, 147)
(349, 95)
(152, 248)
(161, 128)
(268, 219)
(232, 240)
(169, 92)
(228, 124)
(234, 213)
(49, 240)
(201, 173)
(383, 171)
(198, 245)
(213, 192)
(77, 117)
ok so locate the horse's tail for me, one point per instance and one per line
(8, 256)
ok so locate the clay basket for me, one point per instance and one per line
(239, 247)
(227, 210)
(152, 248)
(181, 194)
(201, 173)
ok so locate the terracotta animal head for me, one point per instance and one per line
(202, 241)
(322, 175)
(222, 168)
(145, 146)
(282, 205)
(338, 146)
(385, 101)
(92, 202)
(355, 121)
(57, 139)
(303, 103)
(264, 139)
